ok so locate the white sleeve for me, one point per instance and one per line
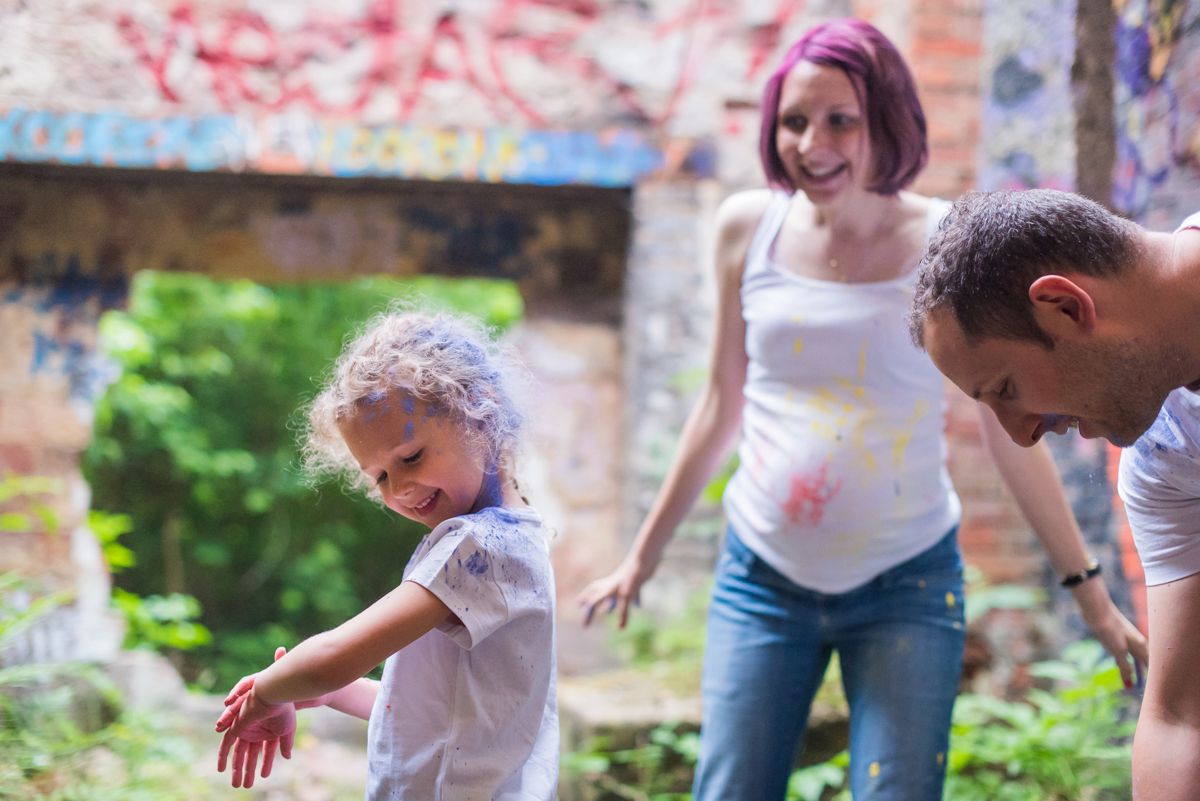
(1159, 483)
(461, 570)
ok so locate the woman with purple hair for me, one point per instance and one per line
(842, 518)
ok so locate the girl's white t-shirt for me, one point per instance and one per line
(467, 712)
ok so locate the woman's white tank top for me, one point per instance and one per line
(842, 470)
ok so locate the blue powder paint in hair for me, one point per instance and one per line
(374, 403)
(477, 564)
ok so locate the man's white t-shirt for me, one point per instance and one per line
(1159, 481)
(467, 712)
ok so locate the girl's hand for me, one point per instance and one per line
(265, 735)
(257, 728)
(616, 591)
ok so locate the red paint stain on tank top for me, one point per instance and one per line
(809, 495)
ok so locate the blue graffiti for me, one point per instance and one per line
(1013, 82)
(114, 140)
(224, 142)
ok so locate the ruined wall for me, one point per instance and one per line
(290, 141)
(388, 101)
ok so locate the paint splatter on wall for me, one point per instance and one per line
(668, 66)
(1027, 132)
(1157, 96)
(62, 302)
(223, 142)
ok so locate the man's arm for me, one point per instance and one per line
(1166, 747)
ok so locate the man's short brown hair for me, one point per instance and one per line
(991, 246)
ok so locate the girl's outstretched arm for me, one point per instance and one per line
(331, 662)
(355, 699)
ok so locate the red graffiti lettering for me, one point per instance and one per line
(394, 56)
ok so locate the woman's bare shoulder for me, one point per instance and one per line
(742, 210)
(736, 220)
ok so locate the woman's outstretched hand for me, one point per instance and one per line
(614, 593)
(1114, 631)
(254, 728)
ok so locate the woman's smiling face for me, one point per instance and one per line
(417, 456)
(822, 137)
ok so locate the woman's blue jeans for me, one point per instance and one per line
(899, 640)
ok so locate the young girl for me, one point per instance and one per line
(419, 414)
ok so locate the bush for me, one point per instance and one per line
(1069, 743)
(64, 735)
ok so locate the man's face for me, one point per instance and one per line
(1108, 390)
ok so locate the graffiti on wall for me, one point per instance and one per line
(1027, 132)
(289, 145)
(1157, 180)
(512, 59)
(62, 299)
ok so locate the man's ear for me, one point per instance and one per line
(1061, 306)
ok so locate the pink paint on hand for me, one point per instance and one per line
(809, 495)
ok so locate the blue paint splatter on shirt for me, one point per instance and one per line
(477, 564)
(1162, 436)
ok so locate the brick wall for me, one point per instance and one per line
(944, 51)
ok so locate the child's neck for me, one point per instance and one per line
(497, 490)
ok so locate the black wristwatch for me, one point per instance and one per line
(1075, 579)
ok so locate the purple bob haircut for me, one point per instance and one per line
(886, 91)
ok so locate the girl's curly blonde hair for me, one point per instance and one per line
(447, 361)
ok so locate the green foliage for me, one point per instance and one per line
(64, 736)
(657, 767)
(714, 490)
(27, 490)
(160, 621)
(984, 597)
(673, 647)
(1050, 746)
(108, 528)
(821, 781)
(1069, 743)
(196, 445)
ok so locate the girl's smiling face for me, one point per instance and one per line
(418, 458)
